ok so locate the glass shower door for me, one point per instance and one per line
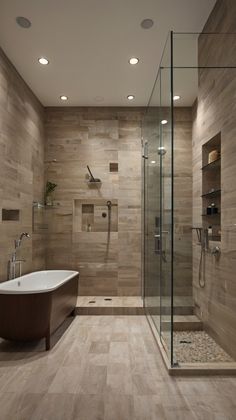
(152, 213)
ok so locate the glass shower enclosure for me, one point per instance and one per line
(157, 137)
(170, 211)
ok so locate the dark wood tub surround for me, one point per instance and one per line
(28, 317)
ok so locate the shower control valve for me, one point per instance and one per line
(216, 251)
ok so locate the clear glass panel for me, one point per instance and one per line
(152, 240)
(204, 75)
(157, 137)
(166, 198)
(191, 112)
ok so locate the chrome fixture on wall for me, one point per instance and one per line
(203, 241)
(109, 206)
(38, 205)
(14, 262)
(92, 179)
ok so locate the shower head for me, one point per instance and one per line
(92, 179)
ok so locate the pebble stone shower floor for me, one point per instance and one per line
(198, 347)
(105, 368)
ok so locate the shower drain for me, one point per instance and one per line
(185, 342)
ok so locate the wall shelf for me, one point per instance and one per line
(92, 184)
(215, 238)
(211, 185)
(213, 165)
(211, 193)
(211, 215)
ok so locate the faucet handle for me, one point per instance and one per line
(216, 251)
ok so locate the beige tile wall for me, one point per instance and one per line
(215, 112)
(21, 166)
(77, 137)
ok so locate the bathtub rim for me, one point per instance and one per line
(36, 291)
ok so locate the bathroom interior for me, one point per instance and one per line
(135, 200)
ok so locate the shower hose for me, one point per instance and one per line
(201, 272)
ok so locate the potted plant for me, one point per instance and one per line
(50, 187)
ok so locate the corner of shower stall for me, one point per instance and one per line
(179, 186)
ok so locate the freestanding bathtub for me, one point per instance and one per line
(33, 306)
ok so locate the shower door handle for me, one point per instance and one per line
(157, 249)
(157, 244)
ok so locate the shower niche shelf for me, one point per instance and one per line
(94, 184)
(92, 216)
(211, 186)
(212, 193)
(212, 165)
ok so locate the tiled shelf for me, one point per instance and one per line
(213, 165)
(211, 194)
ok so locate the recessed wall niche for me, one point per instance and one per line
(211, 186)
(10, 215)
(95, 216)
(113, 166)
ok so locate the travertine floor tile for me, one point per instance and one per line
(148, 408)
(119, 379)
(119, 407)
(88, 407)
(117, 375)
(67, 379)
(99, 347)
(93, 380)
(54, 406)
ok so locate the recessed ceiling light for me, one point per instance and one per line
(153, 161)
(134, 60)
(176, 97)
(64, 98)
(43, 60)
(23, 22)
(147, 23)
(130, 97)
(163, 122)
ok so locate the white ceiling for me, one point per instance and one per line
(89, 42)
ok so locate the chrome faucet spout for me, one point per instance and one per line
(26, 234)
(18, 241)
